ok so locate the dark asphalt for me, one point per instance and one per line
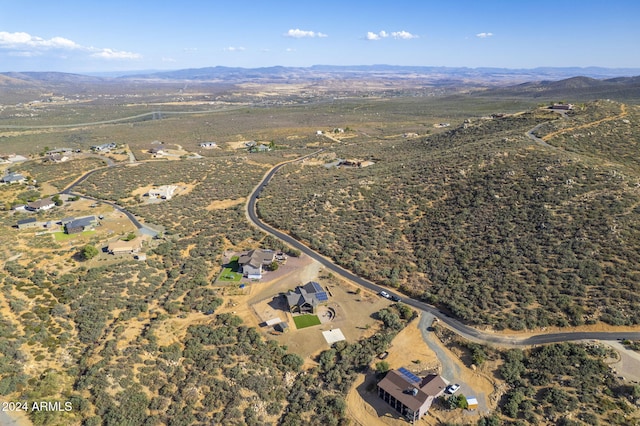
(460, 328)
(132, 218)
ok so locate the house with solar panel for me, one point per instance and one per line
(306, 298)
(409, 394)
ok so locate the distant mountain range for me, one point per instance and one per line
(536, 82)
(488, 75)
(574, 88)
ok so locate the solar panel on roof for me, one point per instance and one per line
(322, 296)
(409, 375)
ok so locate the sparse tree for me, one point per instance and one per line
(89, 252)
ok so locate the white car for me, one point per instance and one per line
(451, 389)
(385, 294)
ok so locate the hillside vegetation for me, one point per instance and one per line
(483, 221)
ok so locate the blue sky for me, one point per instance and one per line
(87, 36)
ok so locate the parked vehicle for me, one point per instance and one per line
(451, 389)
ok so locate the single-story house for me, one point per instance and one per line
(564, 107)
(56, 158)
(80, 225)
(251, 262)
(27, 223)
(105, 147)
(13, 178)
(164, 192)
(409, 394)
(208, 145)
(40, 205)
(306, 298)
(157, 150)
(125, 247)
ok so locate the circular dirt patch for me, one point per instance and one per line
(326, 314)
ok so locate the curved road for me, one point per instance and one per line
(538, 140)
(67, 191)
(462, 329)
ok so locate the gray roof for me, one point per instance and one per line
(13, 177)
(25, 221)
(82, 222)
(311, 293)
(301, 297)
(256, 258)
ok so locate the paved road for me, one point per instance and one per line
(538, 140)
(68, 191)
(460, 328)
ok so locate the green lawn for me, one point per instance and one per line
(62, 236)
(230, 276)
(303, 321)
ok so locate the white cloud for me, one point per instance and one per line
(404, 35)
(26, 45)
(298, 33)
(111, 54)
(401, 35)
(289, 49)
(376, 36)
(24, 41)
(484, 35)
(234, 49)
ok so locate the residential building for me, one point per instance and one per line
(208, 145)
(56, 158)
(158, 150)
(408, 394)
(13, 178)
(306, 298)
(79, 225)
(40, 205)
(164, 192)
(253, 261)
(125, 247)
(27, 223)
(105, 147)
(565, 107)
